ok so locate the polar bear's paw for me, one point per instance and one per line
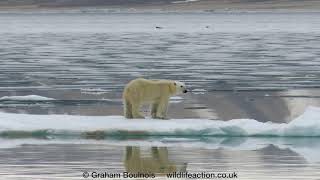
(138, 117)
(163, 118)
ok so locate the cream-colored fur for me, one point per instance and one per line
(154, 92)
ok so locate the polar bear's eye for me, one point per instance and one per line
(175, 84)
(181, 86)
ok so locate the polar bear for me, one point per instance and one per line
(153, 92)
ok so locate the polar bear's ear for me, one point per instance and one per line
(175, 83)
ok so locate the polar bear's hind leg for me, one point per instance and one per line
(127, 108)
(135, 111)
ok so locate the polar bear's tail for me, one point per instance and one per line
(127, 109)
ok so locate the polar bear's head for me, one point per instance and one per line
(180, 87)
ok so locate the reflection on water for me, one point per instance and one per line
(275, 106)
(157, 161)
(57, 160)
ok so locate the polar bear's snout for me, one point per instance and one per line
(185, 91)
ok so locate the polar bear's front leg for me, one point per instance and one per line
(135, 111)
(154, 109)
(162, 108)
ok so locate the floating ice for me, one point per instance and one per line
(26, 98)
(199, 91)
(176, 99)
(185, 1)
(94, 91)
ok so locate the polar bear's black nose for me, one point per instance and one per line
(185, 91)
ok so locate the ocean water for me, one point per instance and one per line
(253, 106)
